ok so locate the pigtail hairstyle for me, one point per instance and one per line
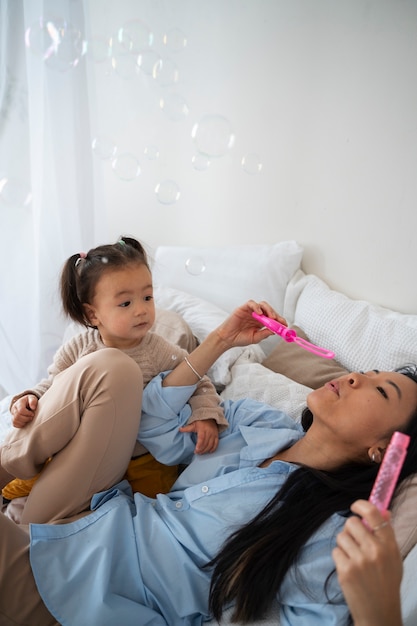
(81, 273)
(253, 562)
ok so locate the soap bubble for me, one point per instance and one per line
(200, 162)
(124, 65)
(14, 193)
(167, 192)
(251, 164)
(59, 43)
(174, 106)
(126, 167)
(175, 40)
(99, 50)
(103, 147)
(151, 153)
(165, 72)
(195, 265)
(135, 35)
(146, 61)
(213, 135)
(117, 48)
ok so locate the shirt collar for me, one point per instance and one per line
(263, 443)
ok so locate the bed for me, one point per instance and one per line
(196, 288)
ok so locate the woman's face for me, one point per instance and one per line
(361, 410)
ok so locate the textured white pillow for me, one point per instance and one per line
(229, 276)
(253, 380)
(203, 317)
(363, 336)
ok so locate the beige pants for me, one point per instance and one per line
(20, 602)
(87, 422)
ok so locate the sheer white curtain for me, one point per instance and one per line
(47, 196)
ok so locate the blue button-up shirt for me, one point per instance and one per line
(139, 561)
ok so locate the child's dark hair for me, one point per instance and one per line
(81, 273)
(252, 564)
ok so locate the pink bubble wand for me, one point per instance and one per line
(389, 471)
(289, 335)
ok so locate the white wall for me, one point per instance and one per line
(324, 91)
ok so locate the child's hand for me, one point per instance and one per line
(23, 410)
(207, 435)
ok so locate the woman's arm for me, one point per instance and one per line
(369, 567)
(239, 329)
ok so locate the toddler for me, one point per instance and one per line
(109, 291)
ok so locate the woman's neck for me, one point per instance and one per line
(308, 451)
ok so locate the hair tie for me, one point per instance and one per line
(80, 258)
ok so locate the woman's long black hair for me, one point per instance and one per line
(252, 564)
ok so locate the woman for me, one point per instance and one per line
(144, 561)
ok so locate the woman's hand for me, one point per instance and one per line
(369, 567)
(241, 329)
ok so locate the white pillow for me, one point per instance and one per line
(229, 276)
(200, 315)
(203, 317)
(363, 336)
(253, 380)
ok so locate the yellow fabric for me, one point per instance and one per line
(18, 488)
(145, 474)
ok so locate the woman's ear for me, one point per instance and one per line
(376, 454)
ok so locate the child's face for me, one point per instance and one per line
(123, 308)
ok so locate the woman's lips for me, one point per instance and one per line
(333, 385)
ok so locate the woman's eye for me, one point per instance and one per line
(382, 392)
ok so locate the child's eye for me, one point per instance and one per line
(125, 304)
(148, 298)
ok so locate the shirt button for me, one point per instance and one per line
(178, 505)
(204, 489)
